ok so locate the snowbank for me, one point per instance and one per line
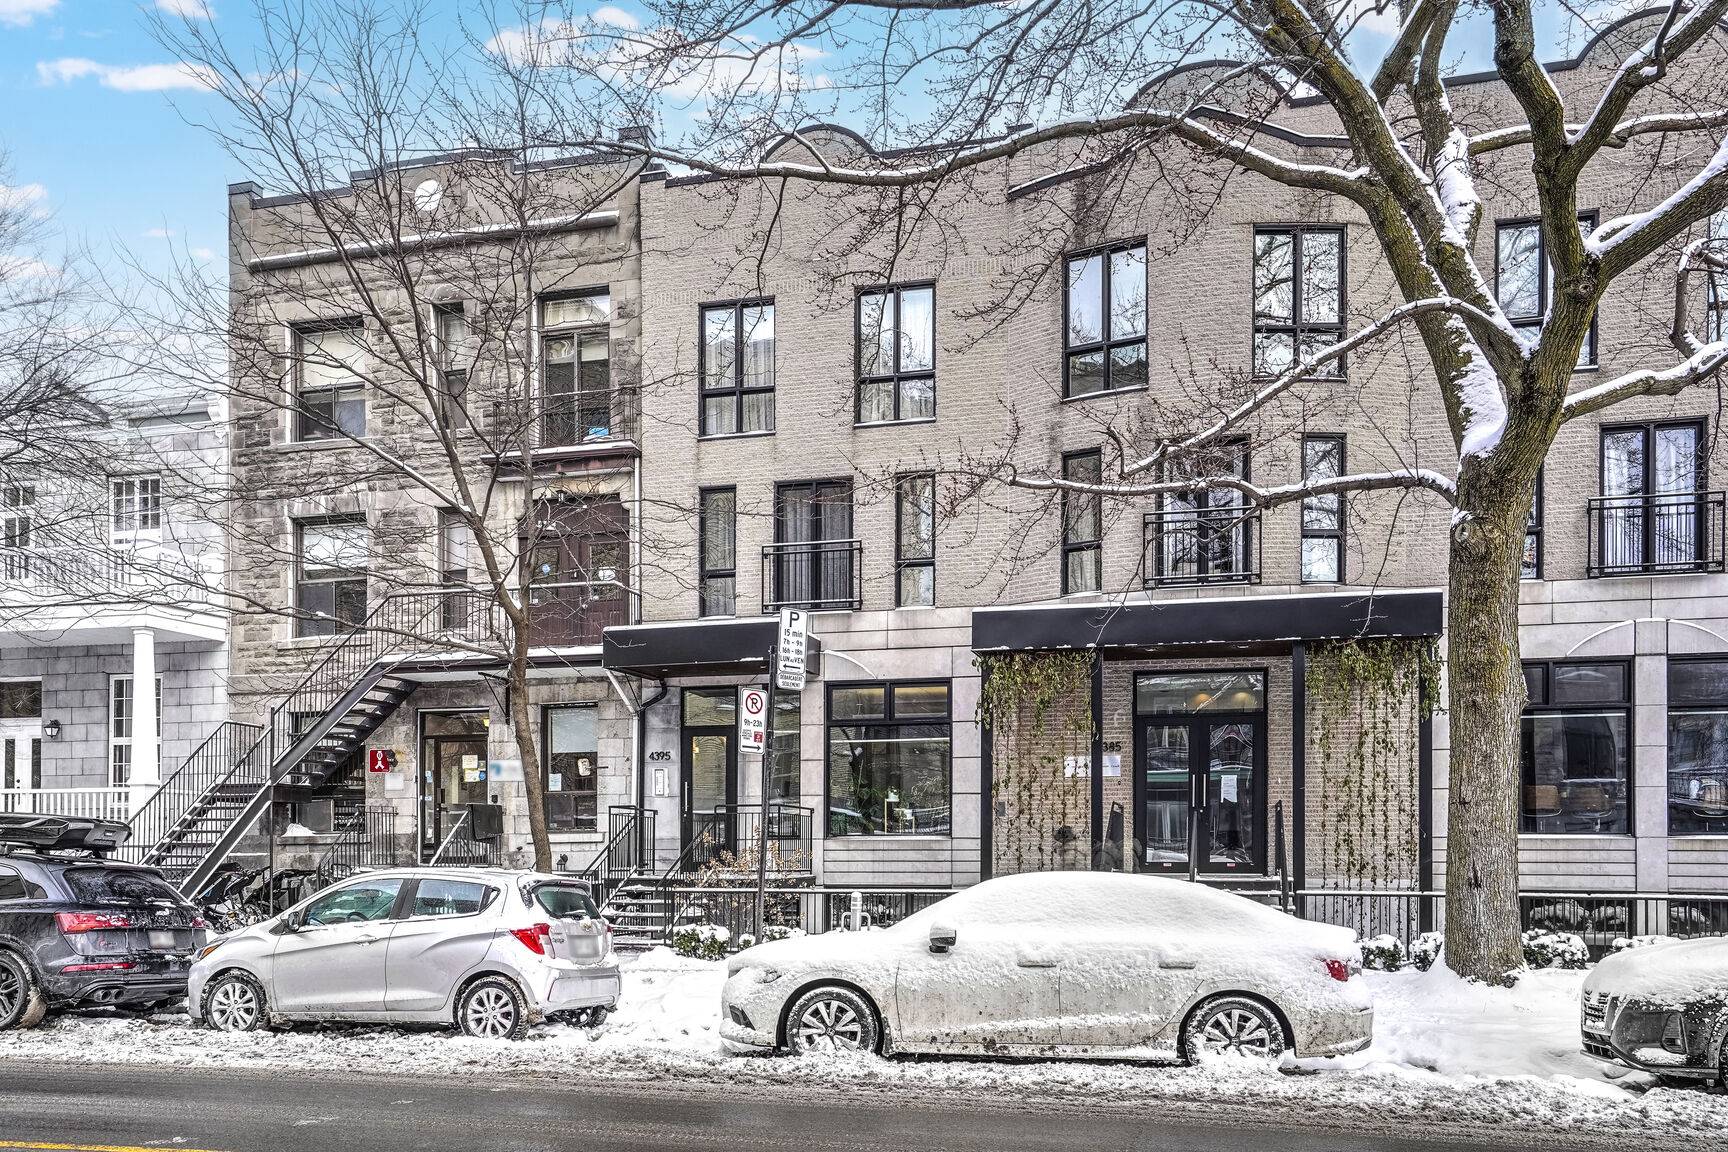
(1444, 1051)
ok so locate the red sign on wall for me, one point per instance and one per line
(380, 760)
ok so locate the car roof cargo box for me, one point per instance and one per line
(62, 833)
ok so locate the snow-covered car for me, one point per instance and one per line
(1060, 964)
(1661, 1008)
(489, 951)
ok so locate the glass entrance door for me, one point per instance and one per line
(1201, 754)
(452, 772)
(710, 772)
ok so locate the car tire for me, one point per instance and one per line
(1233, 1025)
(234, 1002)
(831, 1019)
(492, 1008)
(22, 1003)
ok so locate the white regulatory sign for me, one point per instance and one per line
(752, 720)
(794, 643)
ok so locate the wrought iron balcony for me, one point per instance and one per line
(813, 574)
(1656, 534)
(1202, 546)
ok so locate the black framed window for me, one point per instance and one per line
(1082, 523)
(786, 765)
(134, 506)
(717, 580)
(458, 564)
(450, 327)
(1532, 566)
(1523, 277)
(1206, 536)
(20, 699)
(897, 354)
(1298, 296)
(889, 762)
(915, 540)
(814, 555)
(1323, 515)
(330, 575)
(1105, 302)
(737, 367)
(1698, 747)
(1576, 748)
(572, 779)
(1651, 516)
(575, 369)
(329, 389)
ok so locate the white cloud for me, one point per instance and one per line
(17, 266)
(158, 233)
(187, 9)
(18, 196)
(203, 254)
(18, 13)
(126, 78)
(615, 18)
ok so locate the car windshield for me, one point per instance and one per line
(565, 901)
(119, 886)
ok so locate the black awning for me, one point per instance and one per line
(697, 647)
(1236, 621)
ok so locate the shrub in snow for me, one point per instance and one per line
(1383, 953)
(1554, 950)
(1426, 949)
(780, 932)
(1621, 943)
(701, 941)
(746, 940)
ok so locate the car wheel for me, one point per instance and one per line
(831, 1019)
(234, 1002)
(492, 1009)
(22, 1004)
(1232, 1025)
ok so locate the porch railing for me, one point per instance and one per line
(1202, 546)
(159, 576)
(1655, 534)
(813, 574)
(227, 755)
(98, 803)
(733, 831)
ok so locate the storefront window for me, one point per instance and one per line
(1576, 749)
(572, 769)
(1698, 747)
(889, 760)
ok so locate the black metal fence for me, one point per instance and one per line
(1657, 533)
(806, 909)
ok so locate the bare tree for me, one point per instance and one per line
(1117, 95)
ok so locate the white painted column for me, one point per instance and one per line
(146, 725)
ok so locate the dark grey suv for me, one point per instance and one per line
(1662, 1009)
(77, 930)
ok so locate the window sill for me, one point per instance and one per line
(861, 837)
(734, 435)
(1138, 388)
(892, 423)
(1576, 836)
(315, 445)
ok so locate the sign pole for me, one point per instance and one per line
(762, 819)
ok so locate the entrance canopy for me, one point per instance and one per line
(721, 647)
(1231, 621)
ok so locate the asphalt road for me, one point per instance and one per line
(120, 1109)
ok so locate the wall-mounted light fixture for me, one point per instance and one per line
(51, 729)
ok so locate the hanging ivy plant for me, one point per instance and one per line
(1365, 698)
(1038, 706)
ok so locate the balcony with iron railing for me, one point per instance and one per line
(820, 575)
(1201, 546)
(1655, 535)
(584, 423)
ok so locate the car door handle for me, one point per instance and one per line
(1163, 963)
(367, 939)
(1035, 960)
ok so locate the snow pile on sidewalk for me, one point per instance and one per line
(1444, 1051)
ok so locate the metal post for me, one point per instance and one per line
(762, 820)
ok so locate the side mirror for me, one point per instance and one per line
(288, 924)
(942, 937)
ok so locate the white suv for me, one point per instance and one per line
(488, 950)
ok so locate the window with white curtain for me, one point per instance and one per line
(737, 367)
(1649, 518)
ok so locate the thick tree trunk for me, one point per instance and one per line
(1485, 697)
(527, 750)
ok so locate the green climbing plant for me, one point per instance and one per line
(1365, 698)
(1038, 708)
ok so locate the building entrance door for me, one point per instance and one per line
(1200, 788)
(452, 772)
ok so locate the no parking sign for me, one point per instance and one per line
(752, 719)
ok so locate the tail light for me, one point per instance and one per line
(1674, 1033)
(118, 966)
(200, 922)
(534, 939)
(1339, 970)
(71, 922)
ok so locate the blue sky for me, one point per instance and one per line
(92, 120)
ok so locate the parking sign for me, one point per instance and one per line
(752, 719)
(790, 655)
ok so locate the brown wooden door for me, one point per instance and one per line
(579, 570)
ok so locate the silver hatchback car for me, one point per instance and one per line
(489, 951)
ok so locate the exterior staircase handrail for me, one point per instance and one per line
(210, 765)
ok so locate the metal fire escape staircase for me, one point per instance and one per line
(205, 809)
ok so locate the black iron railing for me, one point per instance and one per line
(1202, 546)
(813, 574)
(1655, 534)
(729, 833)
(466, 844)
(628, 851)
(227, 757)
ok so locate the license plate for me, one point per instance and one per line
(162, 939)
